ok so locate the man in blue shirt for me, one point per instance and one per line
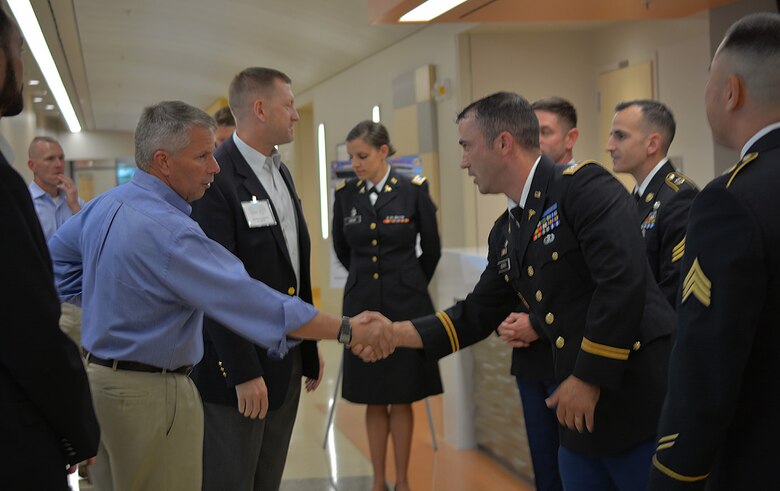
(56, 198)
(145, 273)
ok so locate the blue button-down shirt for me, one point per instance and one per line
(144, 273)
(51, 214)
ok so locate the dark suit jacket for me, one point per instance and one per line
(663, 217)
(46, 415)
(577, 261)
(719, 427)
(229, 359)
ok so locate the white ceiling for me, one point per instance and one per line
(118, 56)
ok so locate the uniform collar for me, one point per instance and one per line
(526, 188)
(641, 188)
(762, 132)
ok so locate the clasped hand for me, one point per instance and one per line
(516, 330)
(372, 336)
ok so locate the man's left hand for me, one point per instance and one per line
(576, 402)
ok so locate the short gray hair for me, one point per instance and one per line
(32, 150)
(166, 126)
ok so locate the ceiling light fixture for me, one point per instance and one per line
(34, 82)
(33, 36)
(429, 10)
(37, 99)
(50, 107)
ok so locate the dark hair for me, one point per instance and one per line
(505, 111)
(249, 82)
(560, 106)
(224, 117)
(754, 45)
(656, 116)
(756, 34)
(375, 134)
(7, 26)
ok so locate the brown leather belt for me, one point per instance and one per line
(134, 366)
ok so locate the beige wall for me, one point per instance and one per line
(347, 98)
(539, 64)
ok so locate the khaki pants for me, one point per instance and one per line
(151, 431)
(70, 322)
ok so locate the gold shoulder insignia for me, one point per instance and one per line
(674, 180)
(419, 180)
(742, 163)
(697, 284)
(341, 185)
(572, 169)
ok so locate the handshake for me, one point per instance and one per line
(375, 337)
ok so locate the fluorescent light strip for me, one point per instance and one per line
(375, 114)
(430, 10)
(33, 36)
(323, 180)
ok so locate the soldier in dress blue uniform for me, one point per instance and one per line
(377, 218)
(719, 426)
(642, 131)
(532, 363)
(569, 250)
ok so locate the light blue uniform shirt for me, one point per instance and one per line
(51, 214)
(144, 273)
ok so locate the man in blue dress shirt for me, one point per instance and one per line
(145, 273)
(56, 198)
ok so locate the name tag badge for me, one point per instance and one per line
(504, 266)
(258, 213)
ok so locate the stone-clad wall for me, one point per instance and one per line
(500, 426)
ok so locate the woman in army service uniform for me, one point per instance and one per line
(377, 218)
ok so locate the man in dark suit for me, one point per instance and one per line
(254, 211)
(568, 249)
(47, 421)
(719, 426)
(532, 361)
(639, 141)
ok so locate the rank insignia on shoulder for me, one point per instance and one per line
(419, 180)
(742, 163)
(387, 189)
(674, 180)
(393, 180)
(341, 185)
(574, 168)
(697, 284)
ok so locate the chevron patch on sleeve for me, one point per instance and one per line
(697, 284)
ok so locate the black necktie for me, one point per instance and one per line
(517, 212)
(375, 193)
(636, 196)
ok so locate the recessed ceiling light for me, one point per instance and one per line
(33, 82)
(50, 107)
(37, 99)
(429, 10)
